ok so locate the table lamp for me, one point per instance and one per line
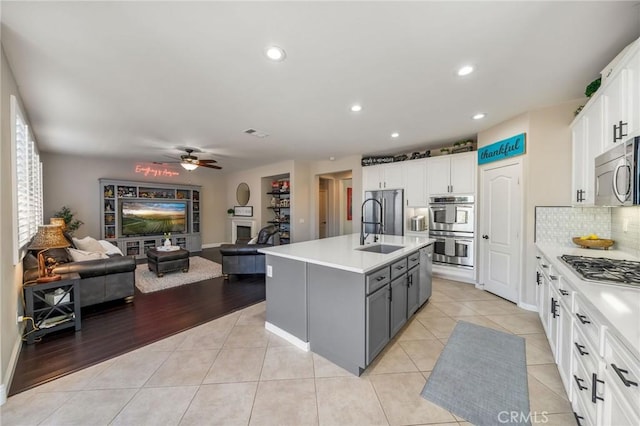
(59, 221)
(47, 237)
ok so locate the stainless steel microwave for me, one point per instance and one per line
(617, 175)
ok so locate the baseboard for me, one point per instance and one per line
(287, 336)
(11, 368)
(528, 306)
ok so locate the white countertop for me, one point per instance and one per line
(619, 305)
(339, 252)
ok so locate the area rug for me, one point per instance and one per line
(481, 376)
(200, 269)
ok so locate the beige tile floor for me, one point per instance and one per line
(232, 372)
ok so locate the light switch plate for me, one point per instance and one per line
(269, 271)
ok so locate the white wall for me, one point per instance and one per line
(10, 275)
(304, 177)
(73, 181)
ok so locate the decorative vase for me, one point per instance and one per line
(167, 242)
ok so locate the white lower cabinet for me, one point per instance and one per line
(601, 376)
(621, 405)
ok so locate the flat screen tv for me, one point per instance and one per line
(147, 217)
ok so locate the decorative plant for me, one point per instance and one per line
(68, 216)
(230, 211)
(592, 87)
(445, 150)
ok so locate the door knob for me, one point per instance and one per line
(486, 237)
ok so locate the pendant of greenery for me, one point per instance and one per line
(72, 224)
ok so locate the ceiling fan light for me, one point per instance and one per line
(189, 166)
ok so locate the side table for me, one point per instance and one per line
(52, 311)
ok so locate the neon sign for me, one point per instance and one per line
(155, 171)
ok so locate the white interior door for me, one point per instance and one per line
(501, 220)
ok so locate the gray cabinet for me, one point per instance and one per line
(398, 297)
(377, 321)
(125, 219)
(413, 287)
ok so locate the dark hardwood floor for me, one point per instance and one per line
(114, 328)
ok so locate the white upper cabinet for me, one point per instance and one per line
(587, 143)
(463, 173)
(610, 117)
(383, 176)
(415, 178)
(452, 174)
(619, 120)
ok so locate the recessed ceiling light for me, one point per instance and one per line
(356, 108)
(466, 70)
(395, 135)
(332, 158)
(276, 53)
(479, 116)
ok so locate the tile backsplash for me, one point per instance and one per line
(558, 225)
(626, 218)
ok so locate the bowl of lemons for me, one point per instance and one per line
(593, 241)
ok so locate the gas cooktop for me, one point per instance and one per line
(603, 270)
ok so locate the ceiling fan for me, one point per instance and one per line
(191, 162)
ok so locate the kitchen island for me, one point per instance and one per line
(342, 300)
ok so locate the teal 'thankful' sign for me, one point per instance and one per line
(506, 148)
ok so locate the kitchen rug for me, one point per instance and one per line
(200, 269)
(481, 376)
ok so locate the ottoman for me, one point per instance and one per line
(167, 261)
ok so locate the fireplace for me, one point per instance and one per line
(242, 230)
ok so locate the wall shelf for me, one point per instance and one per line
(113, 192)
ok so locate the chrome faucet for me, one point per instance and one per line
(380, 224)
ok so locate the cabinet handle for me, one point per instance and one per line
(399, 267)
(578, 418)
(594, 386)
(580, 349)
(564, 292)
(553, 277)
(538, 277)
(538, 257)
(620, 372)
(413, 259)
(583, 318)
(554, 307)
(579, 382)
(545, 266)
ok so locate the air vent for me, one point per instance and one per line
(256, 133)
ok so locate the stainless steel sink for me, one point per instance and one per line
(380, 248)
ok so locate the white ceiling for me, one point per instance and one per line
(138, 79)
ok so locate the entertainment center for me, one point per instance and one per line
(136, 216)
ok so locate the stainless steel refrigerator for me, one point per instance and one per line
(392, 206)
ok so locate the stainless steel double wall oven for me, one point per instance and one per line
(452, 225)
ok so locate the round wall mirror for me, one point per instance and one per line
(243, 194)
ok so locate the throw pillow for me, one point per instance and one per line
(88, 244)
(253, 240)
(83, 256)
(110, 248)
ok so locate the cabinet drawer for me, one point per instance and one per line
(413, 260)
(624, 368)
(587, 322)
(377, 279)
(398, 268)
(581, 390)
(584, 349)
